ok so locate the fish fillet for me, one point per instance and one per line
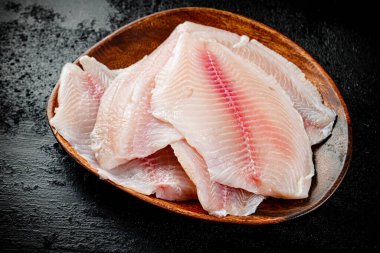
(78, 101)
(318, 119)
(79, 96)
(237, 117)
(125, 128)
(159, 173)
(215, 198)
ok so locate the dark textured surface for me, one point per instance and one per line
(47, 202)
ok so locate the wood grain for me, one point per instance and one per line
(131, 42)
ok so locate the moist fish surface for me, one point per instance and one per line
(159, 174)
(318, 119)
(78, 101)
(79, 97)
(217, 199)
(125, 128)
(237, 117)
(97, 70)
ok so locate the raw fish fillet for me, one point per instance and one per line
(125, 128)
(318, 119)
(217, 199)
(237, 117)
(78, 99)
(159, 173)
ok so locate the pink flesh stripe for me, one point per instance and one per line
(93, 87)
(224, 87)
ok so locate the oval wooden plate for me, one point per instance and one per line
(131, 42)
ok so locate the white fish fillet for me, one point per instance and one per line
(237, 117)
(125, 128)
(318, 119)
(159, 174)
(78, 99)
(217, 199)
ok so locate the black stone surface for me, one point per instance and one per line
(49, 203)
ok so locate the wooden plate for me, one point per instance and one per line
(133, 41)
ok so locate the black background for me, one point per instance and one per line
(48, 202)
